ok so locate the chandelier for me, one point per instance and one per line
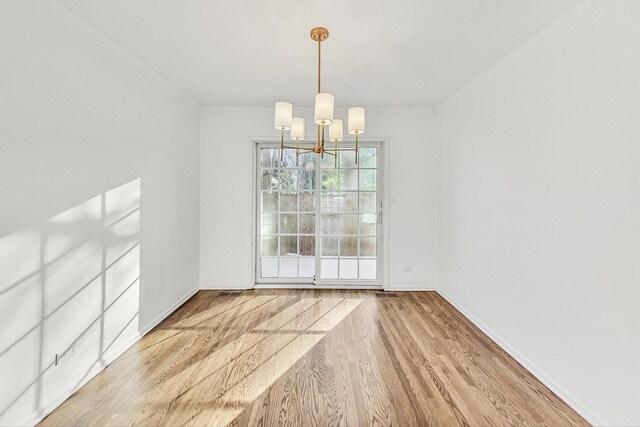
(323, 117)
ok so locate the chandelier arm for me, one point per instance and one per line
(282, 146)
(356, 150)
(322, 146)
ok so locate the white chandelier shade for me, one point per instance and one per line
(297, 129)
(335, 131)
(356, 120)
(323, 109)
(284, 112)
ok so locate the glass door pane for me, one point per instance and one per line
(349, 208)
(287, 215)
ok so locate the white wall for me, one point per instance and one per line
(226, 193)
(99, 205)
(539, 217)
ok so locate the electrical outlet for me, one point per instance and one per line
(407, 269)
(59, 356)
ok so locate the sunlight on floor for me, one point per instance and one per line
(246, 367)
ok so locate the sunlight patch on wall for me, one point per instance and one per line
(69, 288)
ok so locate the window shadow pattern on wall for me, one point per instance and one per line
(69, 300)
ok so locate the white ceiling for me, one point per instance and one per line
(380, 53)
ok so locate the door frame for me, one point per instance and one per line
(297, 283)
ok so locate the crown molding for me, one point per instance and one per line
(400, 110)
(562, 21)
(220, 108)
(208, 109)
(80, 25)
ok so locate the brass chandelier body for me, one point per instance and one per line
(323, 117)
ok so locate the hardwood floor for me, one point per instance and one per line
(315, 358)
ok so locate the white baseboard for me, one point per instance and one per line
(235, 287)
(552, 385)
(312, 286)
(159, 318)
(225, 287)
(409, 288)
(111, 358)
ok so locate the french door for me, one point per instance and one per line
(319, 220)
